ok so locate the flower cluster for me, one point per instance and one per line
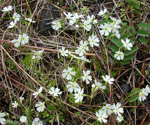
(107, 110)
(144, 93)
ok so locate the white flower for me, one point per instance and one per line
(115, 21)
(56, 25)
(6, 9)
(24, 38)
(127, 44)
(15, 104)
(84, 59)
(16, 17)
(23, 119)
(116, 32)
(107, 79)
(119, 118)
(86, 25)
(2, 119)
(30, 20)
(147, 89)
(68, 15)
(119, 55)
(21, 98)
(92, 19)
(55, 91)
(16, 42)
(99, 85)
(37, 54)
(40, 106)
(102, 116)
(74, 18)
(63, 51)
(79, 95)
(68, 73)
(106, 29)
(37, 121)
(102, 12)
(38, 92)
(86, 77)
(12, 24)
(117, 108)
(108, 109)
(73, 86)
(77, 16)
(143, 94)
(93, 40)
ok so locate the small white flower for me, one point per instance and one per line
(108, 109)
(119, 55)
(23, 119)
(115, 21)
(15, 104)
(127, 44)
(105, 29)
(73, 86)
(86, 25)
(117, 108)
(55, 91)
(40, 106)
(93, 40)
(38, 92)
(37, 54)
(24, 38)
(107, 79)
(147, 89)
(68, 73)
(102, 116)
(30, 20)
(143, 94)
(21, 98)
(99, 85)
(6, 9)
(102, 12)
(56, 25)
(79, 95)
(63, 51)
(16, 42)
(92, 19)
(119, 118)
(68, 15)
(16, 17)
(12, 24)
(37, 121)
(2, 119)
(86, 77)
(85, 59)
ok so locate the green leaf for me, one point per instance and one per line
(129, 57)
(143, 33)
(116, 42)
(134, 4)
(114, 48)
(122, 31)
(128, 34)
(144, 25)
(143, 40)
(128, 52)
(133, 92)
(134, 98)
(125, 62)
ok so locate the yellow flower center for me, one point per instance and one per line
(73, 86)
(105, 29)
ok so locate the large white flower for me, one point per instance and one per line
(16, 17)
(108, 79)
(40, 106)
(2, 119)
(6, 9)
(15, 104)
(56, 25)
(68, 73)
(127, 44)
(93, 40)
(24, 38)
(102, 116)
(117, 108)
(55, 91)
(23, 119)
(38, 92)
(119, 55)
(79, 95)
(37, 121)
(102, 12)
(63, 51)
(105, 29)
(73, 86)
(37, 54)
(86, 77)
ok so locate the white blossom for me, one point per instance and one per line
(68, 73)
(55, 91)
(40, 106)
